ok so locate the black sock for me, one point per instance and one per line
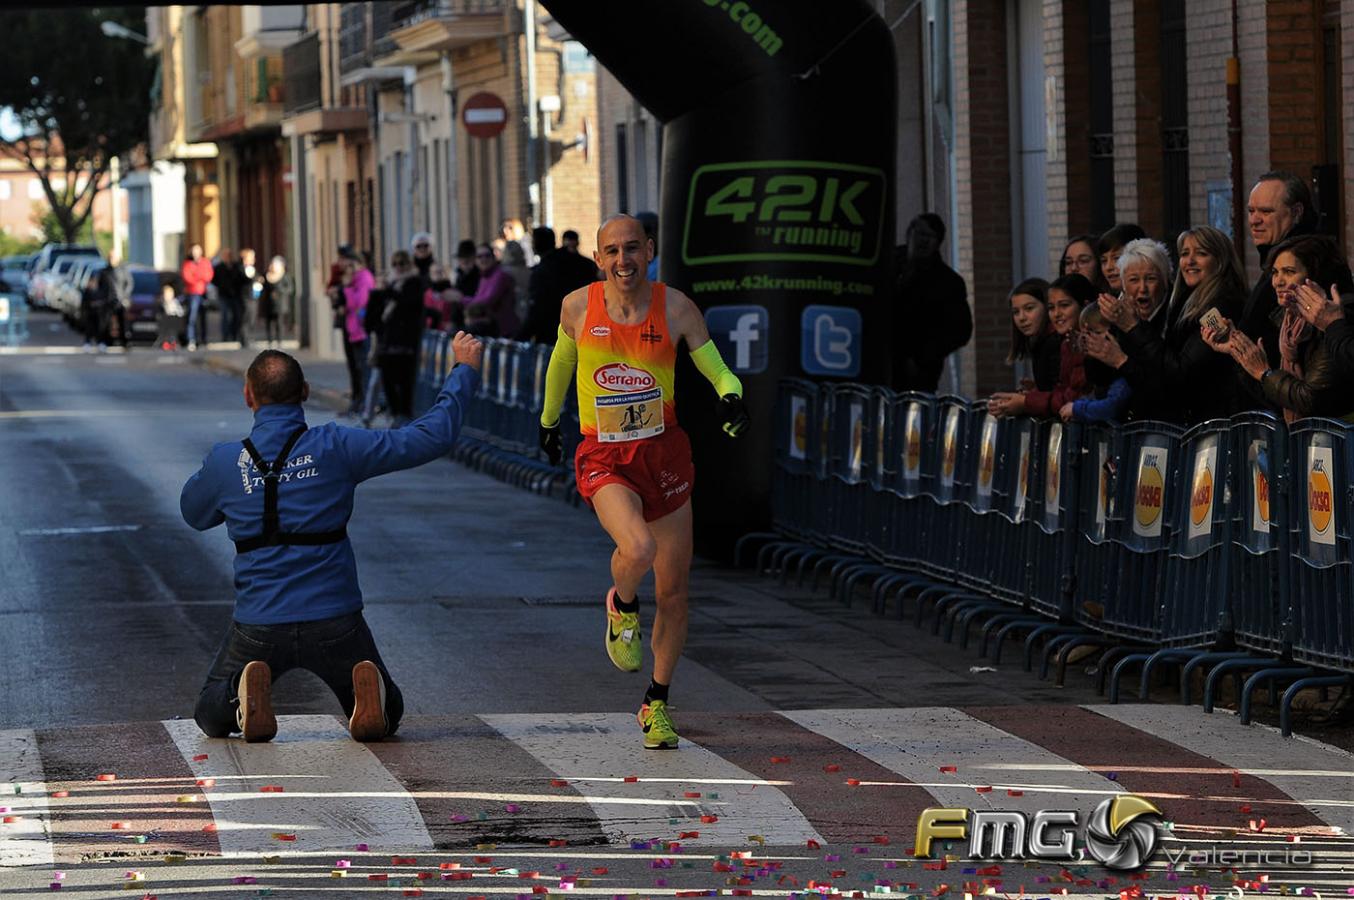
(622, 606)
(656, 691)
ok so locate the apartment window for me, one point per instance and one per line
(439, 227)
(641, 164)
(35, 189)
(425, 220)
(398, 200)
(940, 38)
(4, 189)
(622, 170)
(577, 59)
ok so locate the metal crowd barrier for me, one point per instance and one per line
(500, 435)
(1223, 551)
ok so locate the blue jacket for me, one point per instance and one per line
(275, 585)
(1109, 408)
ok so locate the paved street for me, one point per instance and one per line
(813, 736)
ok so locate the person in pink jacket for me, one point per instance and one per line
(197, 274)
(357, 284)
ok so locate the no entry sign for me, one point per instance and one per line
(485, 115)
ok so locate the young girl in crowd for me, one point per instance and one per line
(1066, 298)
(1034, 343)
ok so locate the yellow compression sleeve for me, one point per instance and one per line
(563, 361)
(711, 365)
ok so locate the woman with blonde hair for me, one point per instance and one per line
(1174, 375)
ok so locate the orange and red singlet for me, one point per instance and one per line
(626, 373)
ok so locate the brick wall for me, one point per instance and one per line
(1208, 40)
(1293, 44)
(1136, 67)
(983, 174)
(1066, 52)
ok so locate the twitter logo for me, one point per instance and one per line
(830, 341)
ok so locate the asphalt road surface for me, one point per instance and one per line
(813, 736)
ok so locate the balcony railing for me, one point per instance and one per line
(301, 75)
(411, 13)
(353, 50)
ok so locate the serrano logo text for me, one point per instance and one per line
(619, 377)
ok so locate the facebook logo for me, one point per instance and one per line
(830, 341)
(741, 334)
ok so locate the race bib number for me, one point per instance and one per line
(630, 417)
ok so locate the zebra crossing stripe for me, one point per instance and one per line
(598, 752)
(25, 840)
(992, 768)
(335, 792)
(1316, 775)
(1190, 789)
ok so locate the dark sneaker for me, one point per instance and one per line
(254, 714)
(368, 721)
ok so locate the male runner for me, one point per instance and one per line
(634, 464)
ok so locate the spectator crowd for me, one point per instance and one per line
(508, 287)
(1133, 329)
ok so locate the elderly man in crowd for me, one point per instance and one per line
(1280, 207)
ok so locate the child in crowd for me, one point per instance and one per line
(1109, 392)
(171, 318)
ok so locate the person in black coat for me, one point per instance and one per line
(559, 272)
(1187, 382)
(395, 320)
(1280, 207)
(931, 315)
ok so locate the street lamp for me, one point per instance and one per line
(113, 29)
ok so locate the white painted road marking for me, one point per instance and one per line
(1317, 775)
(343, 795)
(27, 841)
(584, 747)
(916, 743)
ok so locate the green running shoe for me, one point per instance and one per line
(624, 643)
(659, 732)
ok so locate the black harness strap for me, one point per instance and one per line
(272, 535)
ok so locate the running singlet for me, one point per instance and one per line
(625, 372)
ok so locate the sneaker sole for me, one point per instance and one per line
(368, 721)
(256, 699)
(661, 746)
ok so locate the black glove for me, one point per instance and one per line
(552, 443)
(733, 415)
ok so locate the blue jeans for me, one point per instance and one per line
(197, 330)
(328, 647)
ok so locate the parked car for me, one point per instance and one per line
(142, 318)
(45, 261)
(14, 273)
(57, 287)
